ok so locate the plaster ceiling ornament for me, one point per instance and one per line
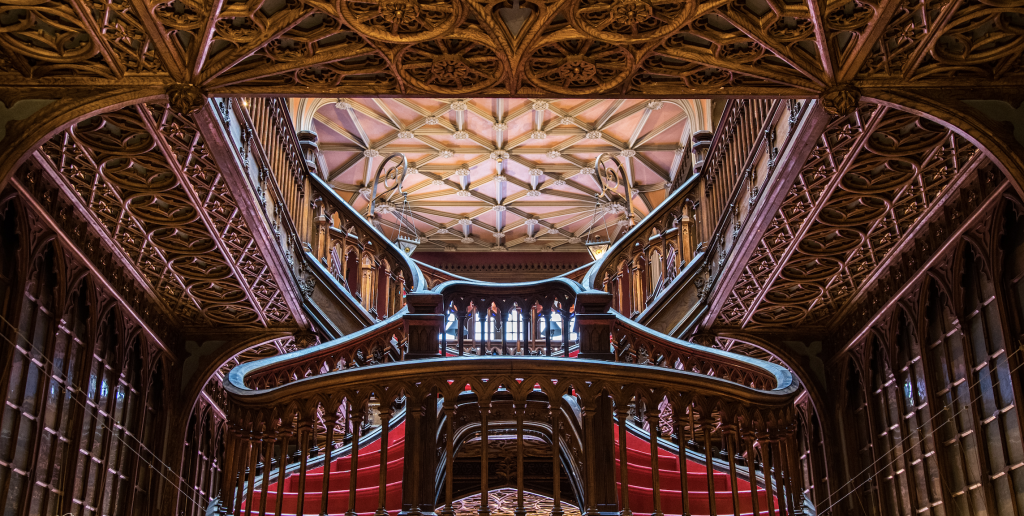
(594, 135)
(464, 193)
(460, 135)
(371, 153)
(538, 135)
(343, 104)
(466, 222)
(462, 171)
(445, 153)
(539, 105)
(627, 153)
(553, 154)
(534, 172)
(499, 155)
(587, 171)
(499, 126)
(405, 135)
(459, 105)
(498, 234)
(467, 240)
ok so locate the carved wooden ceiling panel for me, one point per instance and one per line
(864, 188)
(147, 180)
(531, 48)
(504, 174)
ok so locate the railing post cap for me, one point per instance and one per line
(423, 302)
(593, 302)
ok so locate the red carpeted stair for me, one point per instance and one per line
(641, 497)
(367, 492)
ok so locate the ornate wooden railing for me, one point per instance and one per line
(689, 236)
(313, 226)
(708, 397)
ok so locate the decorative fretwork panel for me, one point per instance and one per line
(148, 180)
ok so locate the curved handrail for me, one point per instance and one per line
(585, 373)
(281, 369)
(417, 281)
(680, 354)
(643, 227)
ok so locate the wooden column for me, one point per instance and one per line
(653, 419)
(555, 410)
(305, 432)
(449, 454)
(330, 421)
(353, 470)
(485, 409)
(520, 409)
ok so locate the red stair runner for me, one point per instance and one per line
(641, 495)
(367, 480)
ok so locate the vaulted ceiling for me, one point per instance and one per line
(522, 48)
(503, 174)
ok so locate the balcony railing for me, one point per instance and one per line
(712, 398)
(688, 237)
(322, 236)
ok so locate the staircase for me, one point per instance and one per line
(340, 471)
(641, 492)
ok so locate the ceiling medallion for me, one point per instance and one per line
(400, 22)
(397, 13)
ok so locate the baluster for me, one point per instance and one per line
(683, 470)
(707, 424)
(305, 431)
(795, 477)
(254, 454)
(449, 453)
(729, 433)
(520, 410)
(766, 469)
(484, 334)
(554, 410)
(460, 320)
(588, 409)
(382, 488)
(268, 455)
(330, 420)
(285, 432)
(353, 470)
(748, 438)
(547, 330)
(778, 462)
(621, 413)
(485, 409)
(227, 478)
(245, 445)
(502, 315)
(653, 418)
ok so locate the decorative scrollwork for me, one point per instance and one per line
(574, 66)
(629, 21)
(401, 21)
(451, 66)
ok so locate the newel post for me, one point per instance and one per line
(595, 324)
(423, 324)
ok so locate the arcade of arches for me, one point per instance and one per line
(667, 257)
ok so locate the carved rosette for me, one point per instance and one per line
(629, 21)
(401, 21)
(840, 100)
(185, 98)
(451, 66)
(574, 66)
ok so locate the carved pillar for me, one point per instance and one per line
(382, 490)
(595, 325)
(555, 411)
(423, 324)
(621, 413)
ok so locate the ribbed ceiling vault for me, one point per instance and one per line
(502, 174)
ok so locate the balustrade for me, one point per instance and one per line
(462, 410)
(704, 212)
(313, 226)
